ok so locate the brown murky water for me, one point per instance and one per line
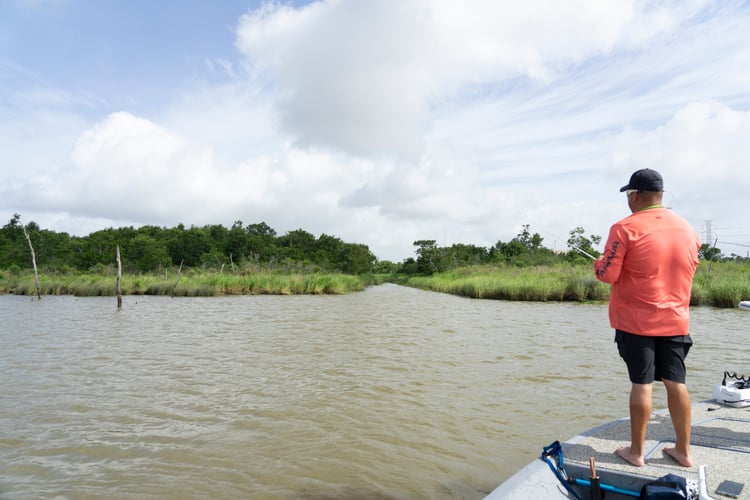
(391, 393)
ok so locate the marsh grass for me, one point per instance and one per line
(190, 284)
(538, 283)
(722, 284)
(719, 284)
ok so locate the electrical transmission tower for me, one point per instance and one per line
(708, 232)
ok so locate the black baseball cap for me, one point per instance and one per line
(645, 180)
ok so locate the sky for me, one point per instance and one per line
(380, 122)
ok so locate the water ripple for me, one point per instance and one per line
(391, 393)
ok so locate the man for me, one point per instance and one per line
(650, 259)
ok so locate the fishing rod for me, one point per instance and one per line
(582, 251)
(574, 247)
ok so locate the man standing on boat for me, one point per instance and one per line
(650, 259)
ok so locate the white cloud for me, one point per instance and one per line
(387, 122)
(363, 77)
(702, 152)
(129, 166)
(133, 169)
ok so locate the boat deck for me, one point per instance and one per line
(720, 441)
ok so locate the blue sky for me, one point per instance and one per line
(380, 122)
(127, 54)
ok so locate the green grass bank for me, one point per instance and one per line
(719, 284)
(190, 284)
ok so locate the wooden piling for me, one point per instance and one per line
(33, 261)
(179, 271)
(118, 290)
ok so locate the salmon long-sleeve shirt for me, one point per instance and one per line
(650, 259)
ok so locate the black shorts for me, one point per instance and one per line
(653, 358)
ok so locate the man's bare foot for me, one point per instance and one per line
(630, 457)
(680, 458)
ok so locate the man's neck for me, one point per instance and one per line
(648, 207)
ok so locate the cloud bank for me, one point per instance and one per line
(388, 122)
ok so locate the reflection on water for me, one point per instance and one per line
(390, 393)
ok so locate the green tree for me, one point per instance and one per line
(297, 245)
(217, 237)
(14, 250)
(146, 254)
(329, 252)
(236, 246)
(262, 242)
(386, 267)
(526, 249)
(96, 248)
(532, 242)
(186, 246)
(709, 252)
(510, 251)
(581, 245)
(356, 259)
(53, 250)
(460, 254)
(409, 266)
(428, 256)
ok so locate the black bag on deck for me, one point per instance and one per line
(669, 487)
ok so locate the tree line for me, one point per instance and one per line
(149, 249)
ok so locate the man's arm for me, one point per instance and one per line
(608, 266)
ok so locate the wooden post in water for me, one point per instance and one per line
(118, 291)
(179, 271)
(33, 261)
